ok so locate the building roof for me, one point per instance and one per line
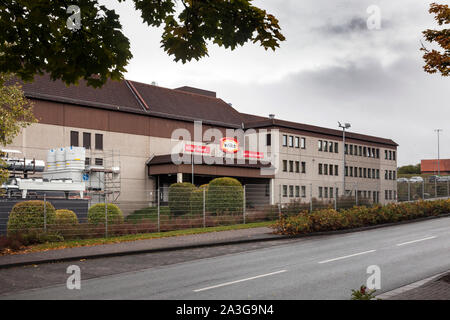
(431, 165)
(167, 159)
(185, 103)
(253, 121)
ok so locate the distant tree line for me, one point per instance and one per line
(410, 169)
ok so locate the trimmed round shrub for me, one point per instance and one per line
(96, 214)
(65, 217)
(225, 196)
(196, 199)
(28, 216)
(179, 198)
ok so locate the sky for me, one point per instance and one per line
(331, 68)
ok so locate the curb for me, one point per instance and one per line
(261, 238)
(391, 294)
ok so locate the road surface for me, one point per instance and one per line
(321, 267)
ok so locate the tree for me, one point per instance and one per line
(15, 113)
(438, 60)
(410, 169)
(35, 36)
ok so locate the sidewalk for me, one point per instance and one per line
(433, 288)
(141, 246)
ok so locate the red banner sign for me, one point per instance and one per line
(196, 148)
(253, 155)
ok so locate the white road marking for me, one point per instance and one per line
(349, 256)
(413, 241)
(242, 280)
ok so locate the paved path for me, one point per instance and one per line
(322, 267)
(143, 245)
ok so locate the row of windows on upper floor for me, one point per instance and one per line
(290, 141)
(355, 150)
(74, 142)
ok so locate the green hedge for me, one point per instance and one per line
(65, 217)
(224, 196)
(179, 198)
(96, 214)
(196, 200)
(149, 213)
(330, 219)
(28, 216)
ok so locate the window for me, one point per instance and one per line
(320, 145)
(390, 155)
(291, 191)
(373, 173)
(385, 174)
(291, 141)
(98, 161)
(351, 171)
(303, 143)
(393, 155)
(385, 154)
(369, 173)
(303, 167)
(360, 151)
(365, 152)
(303, 192)
(393, 175)
(291, 166)
(284, 165)
(395, 195)
(351, 149)
(320, 192)
(297, 166)
(385, 194)
(346, 149)
(87, 161)
(373, 152)
(86, 140)
(378, 153)
(330, 148)
(297, 142)
(268, 139)
(360, 172)
(297, 191)
(284, 140)
(325, 169)
(390, 175)
(365, 172)
(325, 146)
(284, 191)
(320, 168)
(331, 192)
(98, 141)
(336, 170)
(390, 194)
(346, 171)
(378, 173)
(356, 172)
(331, 169)
(336, 148)
(74, 138)
(325, 192)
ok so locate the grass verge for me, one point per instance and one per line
(144, 236)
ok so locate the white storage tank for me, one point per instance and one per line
(75, 157)
(60, 159)
(51, 160)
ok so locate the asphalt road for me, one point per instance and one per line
(325, 267)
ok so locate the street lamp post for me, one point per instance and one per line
(439, 167)
(344, 126)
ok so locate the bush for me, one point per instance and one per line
(28, 216)
(196, 200)
(359, 216)
(225, 196)
(179, 198)
(65, 217)
(96, 214)
(149, 213)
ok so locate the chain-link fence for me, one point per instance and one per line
(165, 209)
(424, 189)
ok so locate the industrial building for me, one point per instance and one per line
(133, 129)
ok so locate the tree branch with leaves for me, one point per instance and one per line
(34, 38)
(438, 60)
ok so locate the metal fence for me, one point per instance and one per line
(416, 190)
(162, 210)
